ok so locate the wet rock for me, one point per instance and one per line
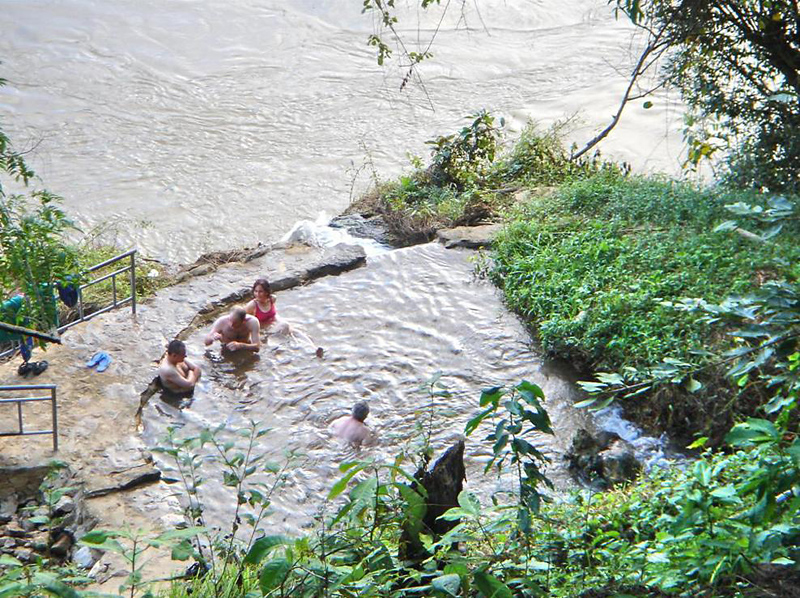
(8, 543)
(84, 557)
(15, 530)
(39, 540)
(66, 504)
(619, 463)
(601, 461)
(100, 571)
(62, 545)
(373, 227)
(22, 481)
(28, 525)
(24, 555)
(105, 569)
(8, 506)
(340, 258)
(469, 237)
(128, 482)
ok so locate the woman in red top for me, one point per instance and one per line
(263, 308)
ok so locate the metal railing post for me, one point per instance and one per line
(55, 420)
(133, 282)
(19, 400)
(80, 304)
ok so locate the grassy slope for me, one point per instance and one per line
(590, 266)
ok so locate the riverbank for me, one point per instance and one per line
(607, 269)
(99, 434)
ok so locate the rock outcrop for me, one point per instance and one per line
(601, 461)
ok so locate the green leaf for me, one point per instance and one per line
(469, 503)
(180, 534)
(182, 551)
(262, 547)
(273, 574)
(60, 589)
(454, 514)
(450, 584)
(753, 431)
(340, 486)
(584, 404)
(15, 589)
(490, 586)
(657, 557)
(693, 385)
(98, 537)
(699, 443)
(9, 561)
(782, 561)
(647, 105)
(473, 424)
(491, 395)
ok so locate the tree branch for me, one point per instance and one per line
(653, 46)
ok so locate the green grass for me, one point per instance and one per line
(418, 203)
(590, 266)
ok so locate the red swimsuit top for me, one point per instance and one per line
(265, 317)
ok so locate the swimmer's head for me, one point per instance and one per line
(238, 316)
(360, 411)
(262, 285)
(176, 347)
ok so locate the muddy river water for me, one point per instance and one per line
(184, 126)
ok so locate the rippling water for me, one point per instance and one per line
(183, 126)
(386, 329)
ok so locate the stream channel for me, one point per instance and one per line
(387, 328)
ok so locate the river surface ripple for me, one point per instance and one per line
(183, 127)
(386, 329)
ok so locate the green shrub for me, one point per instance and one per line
(590, 266)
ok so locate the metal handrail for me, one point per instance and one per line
(20, 400)
(131, 267)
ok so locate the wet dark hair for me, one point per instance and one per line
(361, 411)
(264, 284)
(176, 347)
(239, 313)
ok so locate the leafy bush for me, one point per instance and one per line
(467, 181)
(34, 257)
(591, 266)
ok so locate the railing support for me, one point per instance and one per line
(20, 400)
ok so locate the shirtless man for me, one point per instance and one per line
(351, 427)
(176, 373)
(238, 331)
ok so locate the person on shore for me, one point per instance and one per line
(237, 331)
(352, 427)
(263, 308)
(176, 373)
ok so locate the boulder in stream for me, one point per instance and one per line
(601, 461)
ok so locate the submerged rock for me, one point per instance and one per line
(373, 227)
(601, 461)
(469, 237)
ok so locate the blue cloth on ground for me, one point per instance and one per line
(68, 293)
(26, 348)
(95, 360)
(105, 361)
(101, 359)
